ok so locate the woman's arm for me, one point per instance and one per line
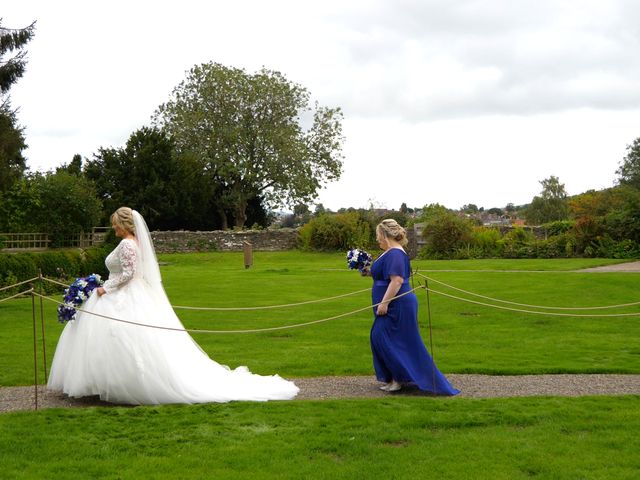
(127, 255)
(395, 282)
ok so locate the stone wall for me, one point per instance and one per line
(267, 240)
(224, 240)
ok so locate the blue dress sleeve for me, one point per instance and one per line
(395, 264)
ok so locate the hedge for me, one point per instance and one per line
(63, 265)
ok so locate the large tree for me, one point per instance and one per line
(72, 205)
(248, 129)
(13, 40)
(551, 205)
(141, 175)
(12, 141)
(60, 204)
(629, 170)
(171, 192)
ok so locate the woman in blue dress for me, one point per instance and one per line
(399, 354)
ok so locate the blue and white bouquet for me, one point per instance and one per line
(359, 259)
(76, 294)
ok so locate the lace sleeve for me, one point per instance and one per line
(127, 257)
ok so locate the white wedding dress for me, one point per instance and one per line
(125, 363)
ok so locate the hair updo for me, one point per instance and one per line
(123, 218)
(389, 228)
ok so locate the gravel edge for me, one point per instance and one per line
(331, 388)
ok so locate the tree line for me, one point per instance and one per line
(596, 223)
(225, 149)
(229, 146)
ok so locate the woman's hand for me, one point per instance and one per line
(101, 291)
(383, 308)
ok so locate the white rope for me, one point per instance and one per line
(266, 307)
(534, 312)
(18, 284)
(524, 304)
(359, 310)
(230, 309)
(16, 295)
(56, 282)
(255, 330)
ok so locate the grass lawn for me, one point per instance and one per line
(467, 338)
(401, 437)
(555, 438)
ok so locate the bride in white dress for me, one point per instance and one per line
(125, 363)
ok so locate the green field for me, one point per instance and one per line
(399, 437)
(467, 338)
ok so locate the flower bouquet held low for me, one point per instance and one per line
(358, 259)
(76, 295)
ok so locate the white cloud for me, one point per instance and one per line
(449, 102)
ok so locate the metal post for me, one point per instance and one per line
(35, 349)
(44, 343)
(433, 361)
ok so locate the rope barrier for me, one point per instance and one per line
(255, 330)
(519, 310)
(18, 284)
(16, 295)
(524, 304)
(267, 307)
(50, 280)
(534, 312)
(228, 309)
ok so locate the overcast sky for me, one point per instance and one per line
(449, 102)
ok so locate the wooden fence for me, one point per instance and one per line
(24, 241)
(20, 242)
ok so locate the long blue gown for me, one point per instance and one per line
(398, 350)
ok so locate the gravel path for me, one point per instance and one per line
(326, 388)
(631, 267)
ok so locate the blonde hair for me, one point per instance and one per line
(389, 228)
(123, 218)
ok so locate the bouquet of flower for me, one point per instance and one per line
(359, 259)
(76, 294)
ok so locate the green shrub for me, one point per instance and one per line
(558, 227)
(487, 242)
(9, 278)
(468, 252)
(518, 243)
(63, 265)
(609, 248)
(588, 231)
(336, 232)
(558, 246)
(445, 233)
